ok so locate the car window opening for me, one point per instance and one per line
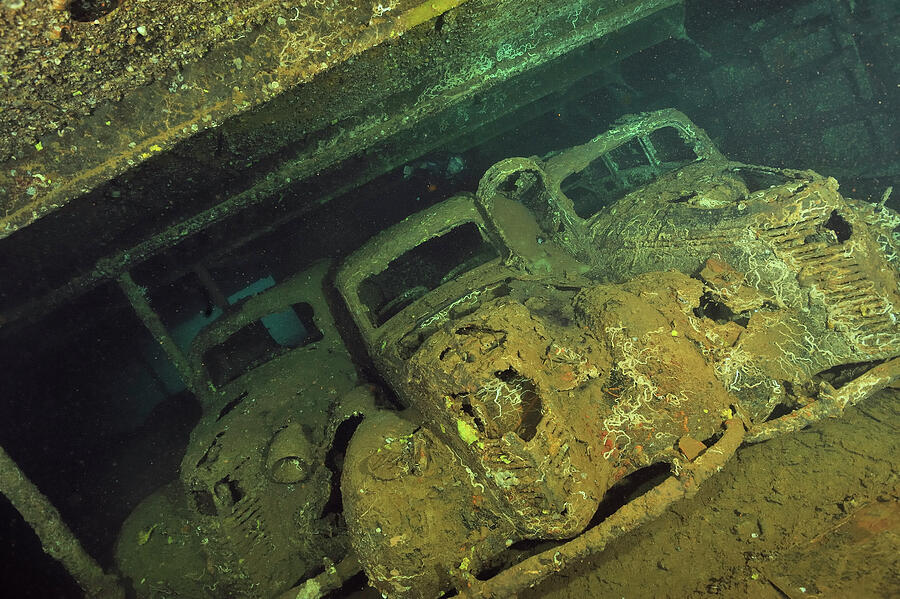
(261, 341)
(423, 268)
(627, 167)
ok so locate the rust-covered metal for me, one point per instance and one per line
(255, 480)
(606, 310)
(137, 297)
(56, 538)
(651, 505)
(282, 47)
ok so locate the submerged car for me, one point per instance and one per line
(256, 508)
(637, 302)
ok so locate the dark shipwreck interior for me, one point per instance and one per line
(162, 161)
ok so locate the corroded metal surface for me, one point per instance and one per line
(642, 295)
(54, 534)
(256, 476)
(256, 51)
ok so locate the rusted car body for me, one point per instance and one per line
(626, 303)
(257, 482)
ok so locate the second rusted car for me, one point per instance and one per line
(616, 306)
